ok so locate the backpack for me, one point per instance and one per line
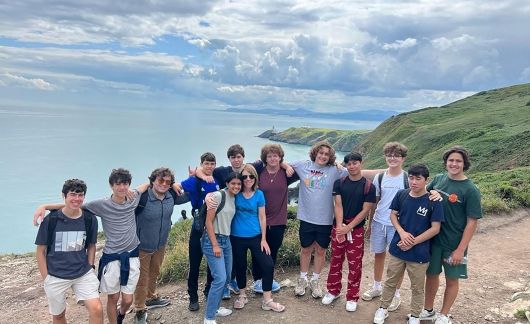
(380, 181)
(52, 224)
(367, 184)
(145, 196)
(199, 220)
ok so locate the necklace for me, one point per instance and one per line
(273, 176)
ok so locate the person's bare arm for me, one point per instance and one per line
(200, 174)
(41, 260)
(263, 225)
(91, 253)
(469, 231)
(370, 174)
(40, 212)
(367, 206)
(210, 216)
(406, 237)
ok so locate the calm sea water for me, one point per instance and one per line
(40, 148)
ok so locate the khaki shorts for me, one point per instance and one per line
(84, 287)
(110, 279)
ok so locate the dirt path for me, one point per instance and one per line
(499, 266)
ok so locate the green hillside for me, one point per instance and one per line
(494, 125)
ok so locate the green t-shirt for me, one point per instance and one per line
(461, 200)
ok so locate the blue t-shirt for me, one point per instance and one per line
(246, 220)
(415, 215)
(197, 198)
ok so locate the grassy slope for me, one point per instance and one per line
(493, 125)
(342, 140)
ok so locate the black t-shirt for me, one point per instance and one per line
(220, 174)
(353, 197)
(67, 258)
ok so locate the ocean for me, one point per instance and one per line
(42, 147)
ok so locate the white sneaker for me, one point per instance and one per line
(380, 315)
(443, 319)
(351, 306)
(329, 298)
(207, 321)
(413, 320)
(222, 311)
(301, 285)
(394, 305)
(426, 315)
(371, 294)
(316, 290)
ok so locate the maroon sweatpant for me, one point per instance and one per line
(354, 252)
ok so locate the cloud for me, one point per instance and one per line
(409, 42)
(18, 80)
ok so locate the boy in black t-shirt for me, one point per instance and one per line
(66, 249)
(416, 220)
(354, 197)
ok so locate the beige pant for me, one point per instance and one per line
(395, 270)
(150, 263)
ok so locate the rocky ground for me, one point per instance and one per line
(499, 266)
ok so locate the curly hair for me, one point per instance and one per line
(120, 175)
(161, 173)
(271, 149)
(395, 148)
(74, 185)
(317, 146)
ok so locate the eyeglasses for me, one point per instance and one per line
(397, 156)
(248, 176)
(161, 181)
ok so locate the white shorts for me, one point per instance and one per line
(84, 287)
(110, 279)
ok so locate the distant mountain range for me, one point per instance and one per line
(367, 115)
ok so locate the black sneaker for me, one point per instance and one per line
(157, 302)
(120, 317)
(193, 306)
(140, 317)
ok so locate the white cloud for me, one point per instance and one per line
(409, 42)
(18, 80)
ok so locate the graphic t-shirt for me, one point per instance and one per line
(67, 258)
(415, 215)
(461, 200)
(246, 220)
(353, 197)
(315, 201)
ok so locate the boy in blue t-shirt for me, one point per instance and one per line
(417, 220)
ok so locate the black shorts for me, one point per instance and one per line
(310, 233)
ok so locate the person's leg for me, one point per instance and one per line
(59, 319)
(140, 294)
(432, 281)
(394, 271)
(378, 247)
(112, 304)
(126, 302)
(195, 257)
(450, 294)
(354, 253)
(275, 235)
(239, 255)
(218, 269)
(264, 262)
(338, 251)
(95, 311)
(416, 272)
(154, 270)
(323, 238)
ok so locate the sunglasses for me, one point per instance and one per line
(248, 176)
(161, 181)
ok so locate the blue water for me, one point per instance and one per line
(40, 148)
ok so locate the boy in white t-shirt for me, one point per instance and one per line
(387, 184)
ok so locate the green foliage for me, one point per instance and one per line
(490, 124)
(342, 140)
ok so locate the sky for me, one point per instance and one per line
(321, 55)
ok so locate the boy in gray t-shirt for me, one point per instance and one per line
(315, 212)
(121, 243)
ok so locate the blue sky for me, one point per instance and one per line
(328, 55)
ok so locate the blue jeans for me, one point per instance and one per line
(220, 267)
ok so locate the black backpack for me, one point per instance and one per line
(200, 216)
(145, 196)
(52, 223)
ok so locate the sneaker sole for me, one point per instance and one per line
(366, 298)
(158, 306)
(393, 309)
(381, 322)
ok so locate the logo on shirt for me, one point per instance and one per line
(422, 211)
(315, 180)
(70, 241)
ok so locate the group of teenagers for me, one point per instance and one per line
(425, 225)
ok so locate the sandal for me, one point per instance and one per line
(240, 302)
(272, 305)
